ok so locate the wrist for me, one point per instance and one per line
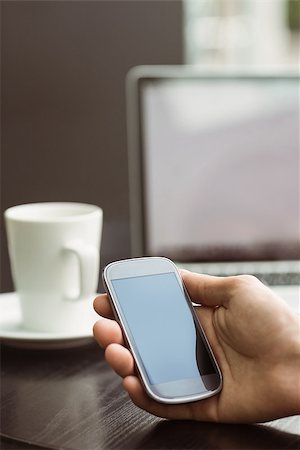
(287, 374)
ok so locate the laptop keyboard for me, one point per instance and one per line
(283, 273)
(279, 279)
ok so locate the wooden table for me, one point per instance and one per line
(71, 399)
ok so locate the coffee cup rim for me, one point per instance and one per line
(32, 212)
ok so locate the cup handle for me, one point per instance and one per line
(88, 258)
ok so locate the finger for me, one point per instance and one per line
(103, 307)
(204, 410)
(107, 331)
(206, 289)
(120, 359)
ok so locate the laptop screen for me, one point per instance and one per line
(220, 167)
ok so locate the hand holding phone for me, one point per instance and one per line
(255, 337)
(172, 355)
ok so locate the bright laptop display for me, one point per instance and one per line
(214, 165)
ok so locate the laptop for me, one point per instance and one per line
(214, 171)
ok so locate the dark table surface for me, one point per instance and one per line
(71, 399)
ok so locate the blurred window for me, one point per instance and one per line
(250, 32)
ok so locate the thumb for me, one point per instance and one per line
(206, 289)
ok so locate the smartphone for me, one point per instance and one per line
(172, 354)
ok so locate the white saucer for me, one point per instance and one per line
(14, 334)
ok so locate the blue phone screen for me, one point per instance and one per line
(163, 328)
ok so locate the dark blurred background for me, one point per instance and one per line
(63, 68)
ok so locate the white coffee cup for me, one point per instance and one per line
(54, 254)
